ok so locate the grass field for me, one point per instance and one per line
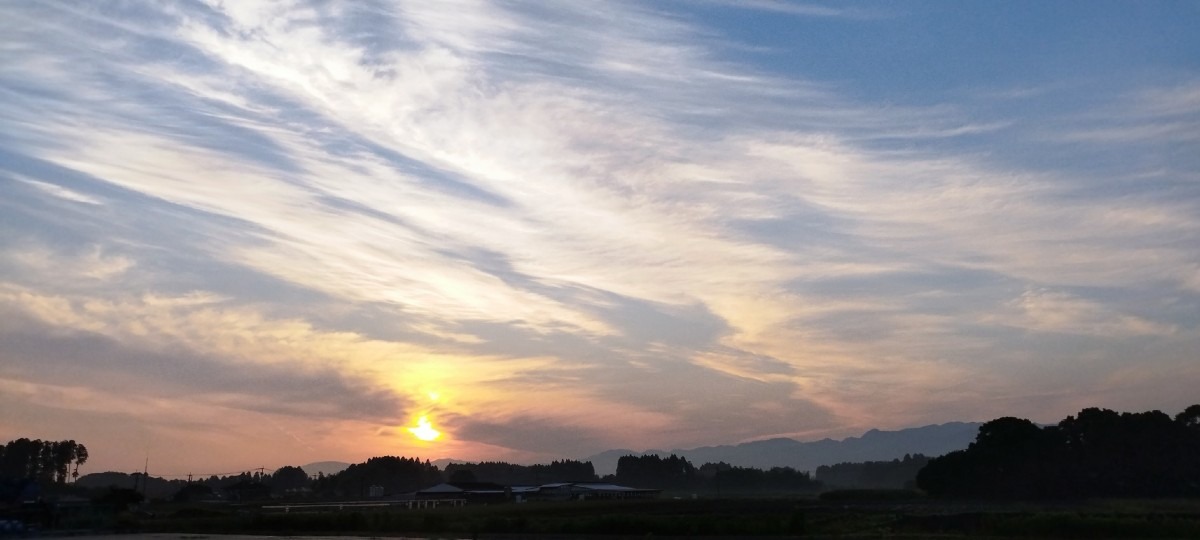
(832, 517)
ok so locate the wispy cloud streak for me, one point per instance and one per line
(593, 202)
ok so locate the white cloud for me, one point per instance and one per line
(62, 192)
(1176, 100)
(800, 9)
(516, 177)
(1043, 310)
(65, 269)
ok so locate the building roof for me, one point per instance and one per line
(609, 487)
(465, 487)
(442, 488)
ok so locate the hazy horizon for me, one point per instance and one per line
(524, 231)
(886, 452)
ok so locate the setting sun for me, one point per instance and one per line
(424, 430)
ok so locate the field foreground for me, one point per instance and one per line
(690, 518)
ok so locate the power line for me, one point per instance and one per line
(261, 471)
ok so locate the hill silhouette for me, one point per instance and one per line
(325, 467)
(874, 445)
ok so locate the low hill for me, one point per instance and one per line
(153, 487)
(324, 467)
(874, 445)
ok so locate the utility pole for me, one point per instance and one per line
(145, 474)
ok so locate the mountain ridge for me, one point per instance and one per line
(324, 467)
(873, 445)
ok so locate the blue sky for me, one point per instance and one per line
(551, 229)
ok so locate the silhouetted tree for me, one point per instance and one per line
(1097, 453)
(511, 474)
(462, 475)
(288, 479)
(81, 457)
(651, 471)
(45, 461)
(894, 474)
(1190, 417)
(393, 474)
(747, 479)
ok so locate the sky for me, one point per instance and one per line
(242, 234)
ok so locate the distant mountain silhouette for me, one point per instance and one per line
(325, 467)
(442, 463)
(874, 445)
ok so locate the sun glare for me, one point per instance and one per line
(424, 430)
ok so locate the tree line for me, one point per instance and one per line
(44, 461)
(396, 475)
(510, 474)
(900, 473)
(393, 474)
(1096, 453)
(677, 473)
